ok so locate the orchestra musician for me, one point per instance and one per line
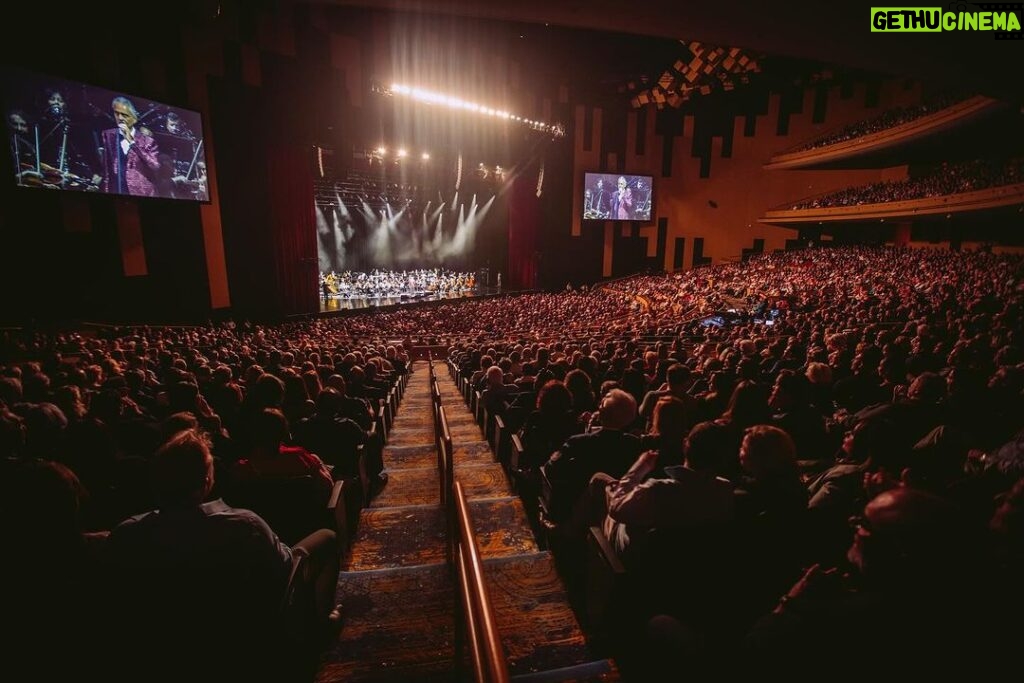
(597, 207)
(194, 187)
(23, 149)
(178, 144)
(643, 200)
(61, 144)
(42, 148)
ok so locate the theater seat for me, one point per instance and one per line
(294, 507)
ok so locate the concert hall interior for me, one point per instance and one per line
(380, 271)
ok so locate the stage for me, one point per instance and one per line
(338, 302)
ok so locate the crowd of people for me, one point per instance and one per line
(393, 283)
(947, 179)
(889, 390)
(887, 119)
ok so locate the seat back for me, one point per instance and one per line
(294, 507)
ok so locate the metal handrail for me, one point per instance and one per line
(494, 667)
(472, 627)
(444, 449)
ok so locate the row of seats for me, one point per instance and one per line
(293, 507)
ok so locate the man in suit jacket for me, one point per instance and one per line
(609, 449)
(130, 155)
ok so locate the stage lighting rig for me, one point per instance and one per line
(555, 130)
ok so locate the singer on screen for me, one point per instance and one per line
(622, 200)
(130, 156)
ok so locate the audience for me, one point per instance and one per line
(891, 382)
(192, 561)
(946, 179)
(887, 119)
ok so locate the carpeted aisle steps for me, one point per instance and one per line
(413, 486)
(401, 536)
(396, 590)
(398, 627)
(542, 638)
(502, 529)
(538, 627)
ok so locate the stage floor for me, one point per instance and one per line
(342, 303)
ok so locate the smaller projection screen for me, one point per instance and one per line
(617, 197)
(65, 135)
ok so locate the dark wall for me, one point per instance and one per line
(282, 77)
(65, 260)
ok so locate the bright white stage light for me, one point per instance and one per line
(432, 97)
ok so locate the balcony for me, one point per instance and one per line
(925, 126)
(977, 200)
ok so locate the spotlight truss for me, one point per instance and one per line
(555, 130)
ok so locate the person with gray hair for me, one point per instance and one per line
(130, 155)
(609, 448)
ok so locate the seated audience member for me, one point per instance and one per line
(580, 386)
(634, 382)
(265, 391)
(50, 580)
(297, 403)
(869, 446)
(678, 381)
(715, 400)
(608, 449)
(864, 387)
(548, 426)
(224, 395)
(820, 377)
(476, 380)
(356, 409)
(496, 394)
(917, 413)
(190, 563)
(689, 495)
(771, 509)
(790, 399)
(748, 406)
(331, 436)
(399, 364)
(913, 587)
(527, 382)
(269, 456)
(374, 378)
(770, 481)
(668, 433)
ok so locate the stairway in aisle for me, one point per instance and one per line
(539, 631)
(395, 588)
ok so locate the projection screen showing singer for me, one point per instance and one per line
(617, 197)
(65, 135)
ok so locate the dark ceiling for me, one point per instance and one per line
(836, 33)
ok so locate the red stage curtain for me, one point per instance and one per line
(524, 221)
(293, 228)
